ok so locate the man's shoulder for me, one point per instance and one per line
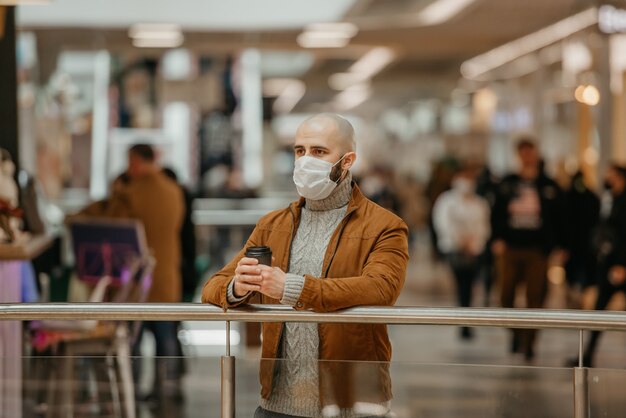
(377, 216)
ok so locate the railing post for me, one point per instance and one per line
(228, 379)
(581, 384)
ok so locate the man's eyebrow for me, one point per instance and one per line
(320, 147)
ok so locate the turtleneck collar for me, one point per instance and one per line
(338, 198)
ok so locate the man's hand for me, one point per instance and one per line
(247, 276)
(617, 275)
(273, 282)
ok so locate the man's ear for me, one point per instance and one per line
(348, 160)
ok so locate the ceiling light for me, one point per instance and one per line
(344, 29)
(373, 62)
(289, 97)
(611, 19)
(442, 10)
(156, 35)
(321, 40)
(503, 54)
(589, 95)
(327, 35)
(158, 43)
(578, 93)
(435, 13)
(352, 97)
(341, 81)
(154, 30)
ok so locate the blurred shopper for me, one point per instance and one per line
(583, 208)
(146, 194)
(188, 271)
(487, 188)
(528, 223)
(333, 249)
(610, 241)
(440, 180)
(461, 220)
(378, 187)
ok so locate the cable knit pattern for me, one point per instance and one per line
(296, 388)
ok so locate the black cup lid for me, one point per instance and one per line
(258, 250)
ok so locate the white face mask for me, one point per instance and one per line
(312, 177)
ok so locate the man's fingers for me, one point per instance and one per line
(253, 270)
(249, 278)
(247, 261)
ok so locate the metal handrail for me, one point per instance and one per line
(490, 317)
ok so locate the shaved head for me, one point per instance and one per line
(336, 127)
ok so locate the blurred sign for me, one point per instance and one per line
(611, 19)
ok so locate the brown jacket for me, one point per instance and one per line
(158, 203)
(365, 264)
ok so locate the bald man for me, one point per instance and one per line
(333, 249)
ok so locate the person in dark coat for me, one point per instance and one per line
(583, 207)
(528, 224)
(610, 243)
(188, 243)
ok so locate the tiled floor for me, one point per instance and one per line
(435, 373)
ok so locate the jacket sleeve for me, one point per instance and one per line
(215, 290)
(379, 284)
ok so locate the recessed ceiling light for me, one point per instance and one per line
(345, 29)
(327, 35)
(442, 10)
(321, 40)
(372, 62)
(481, 64)
(156, 35)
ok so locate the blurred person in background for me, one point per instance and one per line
(610, 243)
(333, 249)
(487, 188)
(146, 194)
(583, 207)
(440, 180)
(461, 220)
(378, 186)
(528, 224)
(188, 271)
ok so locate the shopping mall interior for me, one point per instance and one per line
(449, 99)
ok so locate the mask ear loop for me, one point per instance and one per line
(342, 176)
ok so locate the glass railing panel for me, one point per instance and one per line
(432, 390)
(606, 392)
(95, 386)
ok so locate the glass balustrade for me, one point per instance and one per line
(97, 386)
